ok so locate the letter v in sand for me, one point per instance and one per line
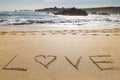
(74, 65)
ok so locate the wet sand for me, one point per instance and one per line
(60, 55)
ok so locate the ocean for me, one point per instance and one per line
(38, 20)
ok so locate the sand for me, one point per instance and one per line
(60, 55)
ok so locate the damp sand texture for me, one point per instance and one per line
(60, 55)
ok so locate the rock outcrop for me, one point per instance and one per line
(72, 11)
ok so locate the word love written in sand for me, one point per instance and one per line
(46, 61)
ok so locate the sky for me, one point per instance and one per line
(36, 4)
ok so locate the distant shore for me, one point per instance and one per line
(97, 10)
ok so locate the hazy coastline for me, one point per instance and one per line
(43, 20)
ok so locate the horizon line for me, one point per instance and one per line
(64, 7)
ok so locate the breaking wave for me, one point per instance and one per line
(28, 18)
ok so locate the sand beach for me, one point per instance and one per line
(92, 54)
(59, 40)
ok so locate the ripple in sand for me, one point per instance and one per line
(13, 34)
(84, 34)
(116, 34)
(107, 35)
(94, 34)
(23, 34)
(74, 33)
(58, 32)
(43, 33)
(33, 34)
(3, 33)
(63, 33)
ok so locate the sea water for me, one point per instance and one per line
(38, 20)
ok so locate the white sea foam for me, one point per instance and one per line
(49, 21)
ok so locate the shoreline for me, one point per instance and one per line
(63, 31)
(35, 27)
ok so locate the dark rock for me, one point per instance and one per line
(72, 11)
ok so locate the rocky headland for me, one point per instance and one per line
(82, 11)
(72, 11)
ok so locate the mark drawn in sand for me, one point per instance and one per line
(45, 61)
(102, 62)
(16, 69)
(74, 65)
(52, 59)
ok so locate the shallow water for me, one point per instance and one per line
(35, 20)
